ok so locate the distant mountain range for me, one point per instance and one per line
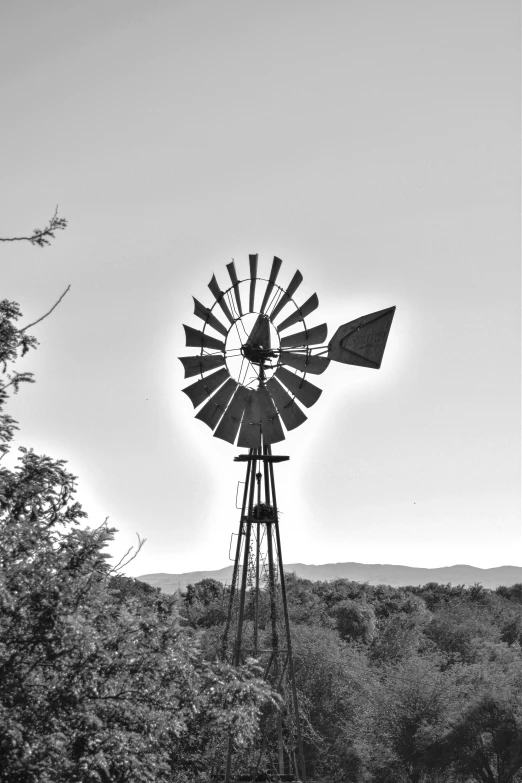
(394, 575)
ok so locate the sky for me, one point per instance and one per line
(372, 145)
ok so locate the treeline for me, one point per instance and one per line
(397, 685)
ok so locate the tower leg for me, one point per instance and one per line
(258, 594)
(248, 484)
(258, 545)
(287, 626)
(244, 573)
(235, 572)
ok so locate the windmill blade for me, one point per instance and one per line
(271, 428)
(203, 388)
(208, 316)
(289, 410)
(231, 419)
(252, 260)
(220, 298)
(276, 266)
(309, 337)
(235, 282)
(362, 342)
(304, 362)
(250, 432)
(306, 392)
(197, 365)
(197, 339)
(295, 282)
(213, 410)
(309, 306)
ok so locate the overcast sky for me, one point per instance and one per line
(372, 145)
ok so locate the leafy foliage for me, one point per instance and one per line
(205, 604)
(355, 620)
(13, 343)
(400, 685)
(99, 678)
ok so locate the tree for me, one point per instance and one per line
(96, 684)
(331, 593)
(402, 620)
(14, 342)
(332, 680)
(355, 621)
(304, 605)
(460, 628)
(408, 712)
(436, 595)
(512, 593)
(204, 604)
(98, 679)
(511, 631)
(485, 740)
(398, 638)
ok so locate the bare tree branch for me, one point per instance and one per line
(122, 562)
(49, 313)
(42, 237)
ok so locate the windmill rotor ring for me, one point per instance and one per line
(252, 404)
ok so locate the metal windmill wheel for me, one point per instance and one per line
(252, 382)
(262, 391)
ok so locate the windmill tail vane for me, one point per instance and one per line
(251, 388)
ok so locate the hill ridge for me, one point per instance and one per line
(373, 573)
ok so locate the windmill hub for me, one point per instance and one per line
(258, 347)
(256, 354)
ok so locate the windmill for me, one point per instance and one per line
(252, 362)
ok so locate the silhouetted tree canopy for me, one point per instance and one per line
(100, 679)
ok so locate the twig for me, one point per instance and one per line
(49, 313)
(121, 564)
(129, 550)
(14, 381)
(42, 237)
